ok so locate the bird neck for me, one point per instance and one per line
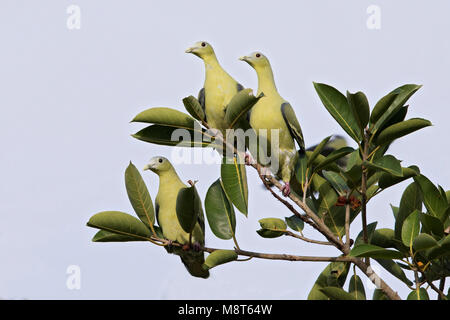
(266, 82)
(211, 62)
(169, 177)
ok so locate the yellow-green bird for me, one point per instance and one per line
(273, 112)
(219, 86)
(165, 206)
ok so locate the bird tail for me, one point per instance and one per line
(193, 261)
(336, 142)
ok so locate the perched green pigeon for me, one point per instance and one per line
(218, 89)
(165, 206)
(273, 112)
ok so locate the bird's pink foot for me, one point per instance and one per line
(286, 189)
(248, 159)
(196, 246)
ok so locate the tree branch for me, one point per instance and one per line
(291, 234)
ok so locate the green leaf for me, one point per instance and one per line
(336, 181)
(337, 105)
(387, 164)
(295, 223)
(369, 250)
(423, 242)
(432, 225)
(395, 211)
(401, 129)
(411, 228)
(170, 136)
(334, 293)
(166, 117)
(327, 197)
(403, 94)
(384, 238)
(219, 257)
(194, 108)
(239, 106)
(370, 230)
(441, 250)
(378, 294)
(220, 212)
(338, 270)
(106, 236)
(188, 208)
(120, 223)
(234, 180)
(271, 227)
(387, 180)
(317, 150)
(432, 198)
(360, 106)
(333, 156)
(301, 170)
(139, 196)
(356, 288)
(411, 200)
(381, 106)
(420, 294)
(394, 269)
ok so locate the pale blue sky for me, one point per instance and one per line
(67, 98)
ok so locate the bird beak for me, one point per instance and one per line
(244, 58)
(190, 50)
(147, 167)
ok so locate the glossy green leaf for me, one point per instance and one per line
(384, 238)
(107, 236)
(271, 227)
(432, 225)
(370, 230)
(432, 198)
(372, 251)
(336, 180)
(356, 288)
(381, 106)
(234, 181)
(194, 108)
(441, 250)
(302, 173)
(333, 157)
(420, 294)
(171, 136)
(394, 269)
(239, 106)
(387, 180)
(139, 196)
(188, 208)
(360, 106)
(219, 257)
(334, 293)
(387, 163)
(295, 223)
(220, 212)
(338, 270)
(411, 228)
(317, 150)
(337, 105)
(411, 200)
(401, 129)
(423, 242)
(120, 223)
(403, 94)
(166, 117)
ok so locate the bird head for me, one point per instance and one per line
(201, 49)
(158, 164)
(256, 59)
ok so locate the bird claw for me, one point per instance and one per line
(286, 189)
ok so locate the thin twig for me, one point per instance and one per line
(294, 235)
(347, 226)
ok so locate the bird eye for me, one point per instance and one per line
(203, 44)
(258, 55)
(160, 160)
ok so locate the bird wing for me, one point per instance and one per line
(292, 123)
(239, 88)
(157, 211)
(201, 99)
